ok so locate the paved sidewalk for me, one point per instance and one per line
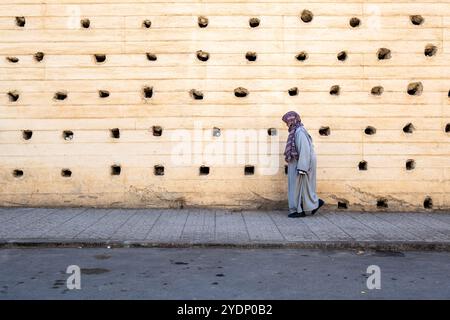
(201, 227)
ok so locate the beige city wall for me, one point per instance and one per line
(53, 27)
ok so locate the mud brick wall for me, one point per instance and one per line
(93, 95)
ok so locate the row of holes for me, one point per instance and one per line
(306, 16)
(204, 170)
(369, 130)
(413, 89)
(382, 203)
(216, 132)
(115, 133)
(410, 164)
(158, 170)
(382, 54)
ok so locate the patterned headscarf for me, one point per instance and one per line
(292, 119)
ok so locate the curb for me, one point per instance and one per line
(325, 245)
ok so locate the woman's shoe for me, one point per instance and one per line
(321, 203)
(297, 215)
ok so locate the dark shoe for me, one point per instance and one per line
(321, 203)
(297, 215)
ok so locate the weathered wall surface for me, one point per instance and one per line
(31, 167)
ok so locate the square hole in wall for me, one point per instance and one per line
(254, 22)
(249, 170)
(204, 170)
(100, 58)
(241, 92)
(66, 173)
(342, 204)
(430, 50)
(17, 173)
(13, 96)
(293, 91)
(410, 164)
(370, 130)
(342, 56)
(202, 55)
(216, 132)
(324, 131)
(146, 23)
(384, 54)
(115, 133)
(148, 92)
(12, 59)
(158, 170)
(151, 56)
(103, 94)
(39, 56)
(428, 203)
(416, 20)
(196, 94)
(251, 56)
(116, 170)
(335, 90)
(409, 128)
(67, 135)
(302, 56)
(354, 22)
(27, 134)
(415, 89)
(362, 165)
(20, 22)
(202, 21)
(60, 95)
(85, 23)
(382, 203)
(377, 91)
(272, 131)
(306, 16)
(157, 131)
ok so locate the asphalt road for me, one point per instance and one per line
(215, 273)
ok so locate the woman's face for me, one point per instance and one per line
(290, 119)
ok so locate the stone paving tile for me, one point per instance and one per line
(325, 229)
(293, 229)
(7, 214)
(169, 226)
(13, 227)
(445, 218)
(432, 222)
(10, 217)
(41, 227)
(138, 226)
(105, 227)
(261, 227)
(353, 227)
(406, 223)
(72, 227)
(230, 227)
(387, 229)
(199, 227)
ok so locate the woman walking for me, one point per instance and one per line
(301, 159)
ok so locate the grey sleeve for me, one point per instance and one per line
(304, 151)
